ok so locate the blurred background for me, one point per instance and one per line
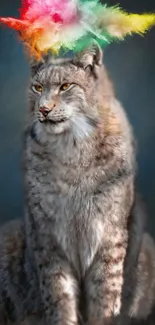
(132, 67)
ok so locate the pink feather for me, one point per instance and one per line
(60, 11)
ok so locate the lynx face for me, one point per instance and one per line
(62, 95)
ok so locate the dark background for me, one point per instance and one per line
(132, 68)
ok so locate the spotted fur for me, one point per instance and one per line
(20, 302)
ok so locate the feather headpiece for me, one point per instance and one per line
(72, 24)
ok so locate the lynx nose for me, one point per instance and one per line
(45, 110)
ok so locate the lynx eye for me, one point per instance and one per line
(37, 88)
(65, 86)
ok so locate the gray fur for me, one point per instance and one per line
(79, 171)
(21, 304)
(79, 188)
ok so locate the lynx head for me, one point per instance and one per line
(62, 94)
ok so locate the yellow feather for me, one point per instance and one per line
(118, 23)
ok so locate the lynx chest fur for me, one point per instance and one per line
(66, 196)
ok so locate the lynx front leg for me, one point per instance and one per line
(59, 292)
(103, 284)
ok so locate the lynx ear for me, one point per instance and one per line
(35, 65)
(91, 57)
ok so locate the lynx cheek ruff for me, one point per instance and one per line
(73, 24)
